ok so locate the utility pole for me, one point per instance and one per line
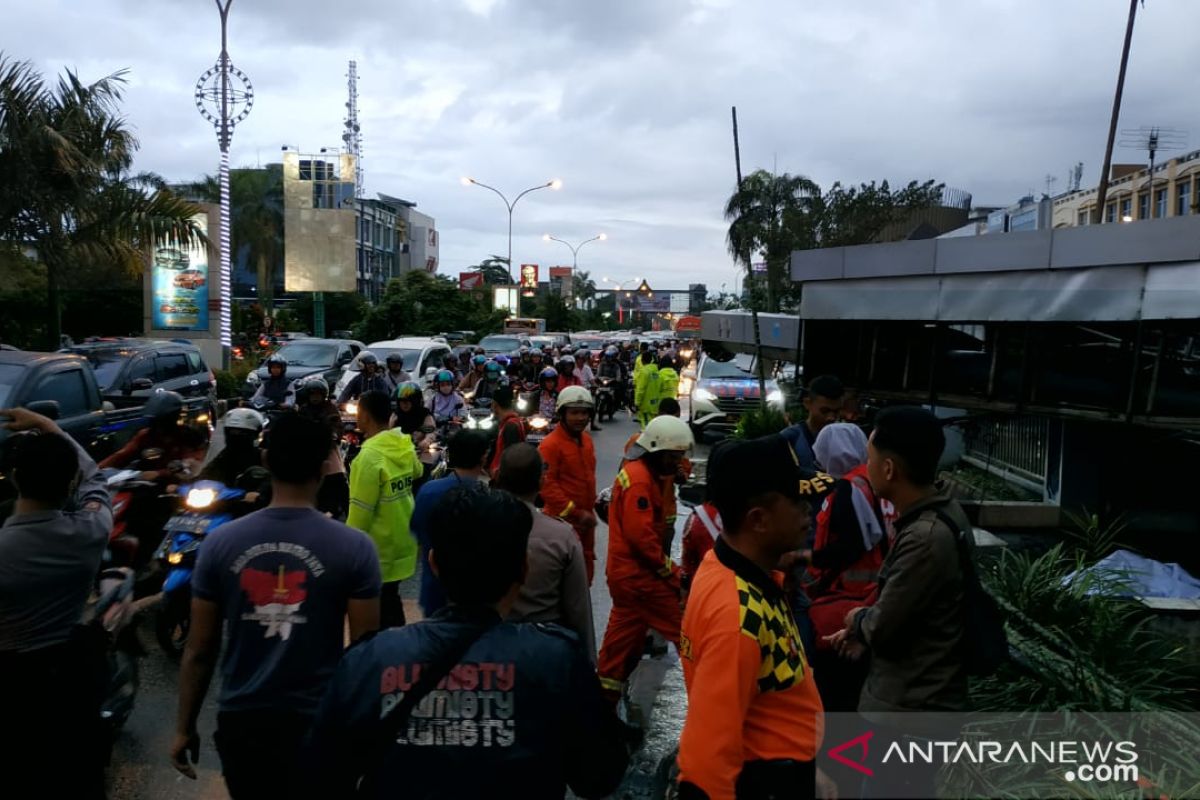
(758, 360)
(1102, 191)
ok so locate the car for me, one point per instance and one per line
(723, 391)
(420, 356)
(130, 370)
(189, 279)
(309, 356)
(505, 343)
(457, 337)
(170, 258)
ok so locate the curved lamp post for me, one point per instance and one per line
(554, 184)
(618, 287)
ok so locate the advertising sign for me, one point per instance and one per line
(529, 279)
(688, 325)
(505, 297)
(560, 272)
(179, 280)
(470, 280)
(655, 304)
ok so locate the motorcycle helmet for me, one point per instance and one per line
(164, 406)
(566, 364)
(502, 361)
(313, 383)
(523, 351)
(368, 359)
(395, 358)
(566, 350)
(583, 355)
(610, 352)
(444, 376)
(577, 397)
(492, 371)
(246, 420)
(277, 360)
(666, 433)
(535, 355)
(479, 360)
(548, 374)
(409, 390)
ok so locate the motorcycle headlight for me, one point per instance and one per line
(775, 397)
(485, 424)
(537, 423)
(522, 405)
(200, 498)
(351, 408)
(704, 395)
(175, 558)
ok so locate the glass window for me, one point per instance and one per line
(171, 366)
(9, 375)
(1082, 219)
(723, 369)
(1160, 203)
(1110, 212)
(1144, 205)
(142, 368)
(305, 354)
(196, 363)
(1127, 209)
(68, 388)
(1183, 199)
(107, 366)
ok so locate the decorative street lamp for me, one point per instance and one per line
(575, 248)
(618, 288)
(554, 184)
(224, 97)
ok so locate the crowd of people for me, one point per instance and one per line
(823, 572)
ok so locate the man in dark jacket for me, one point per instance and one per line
(519, 714)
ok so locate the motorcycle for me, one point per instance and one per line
(351, 441)
(106, 621)
(207, 505)
(538, 428)
(606, 398)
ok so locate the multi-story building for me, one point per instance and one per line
(1174, 191)
(421, 251)
(381, 244)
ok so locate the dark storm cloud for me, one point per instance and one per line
(628, 101)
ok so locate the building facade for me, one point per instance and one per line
(1174, 191)
(381, 244)
(421, 251)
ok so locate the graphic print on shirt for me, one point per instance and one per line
(276, 594)
(772, 626)
(473, 706)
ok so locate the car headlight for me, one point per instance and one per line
(200, 498)
(775, 397)
(704, 395)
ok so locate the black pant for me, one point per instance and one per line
(260, 752)
(391, 607)
(333, 497)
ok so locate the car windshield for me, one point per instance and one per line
(308, 354)
(410, 358)
(541, 341)
(9, 375)
(500, 344)
(106, 365)
(591, 344)
(723, 369)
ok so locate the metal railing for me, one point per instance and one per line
(1015, 445)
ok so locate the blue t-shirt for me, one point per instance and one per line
(801, 439)
(432, 596)
(282, 578)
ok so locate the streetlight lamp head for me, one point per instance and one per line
(466, 181)
(545, 237)
(602, 237)
(555, 184)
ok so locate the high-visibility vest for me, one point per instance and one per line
(859, 578)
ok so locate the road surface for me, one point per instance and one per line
(140, 769)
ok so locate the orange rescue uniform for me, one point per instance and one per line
(670, 507)
(751, 693)
(569, 486)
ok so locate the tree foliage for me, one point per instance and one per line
(421, 304)
(68, 193)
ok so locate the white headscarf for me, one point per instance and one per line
(840, 447)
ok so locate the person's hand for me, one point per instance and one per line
(22, 419)
(852, 616)
(845, 645)
(252, 497)
(185, 745)
(826, 788)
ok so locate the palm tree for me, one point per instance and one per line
(495, 271)
(771, 215)
(584, 287)
(67, 194)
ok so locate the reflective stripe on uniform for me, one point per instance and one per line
(611, 684)
(667, 568)
(623, 479)
(570, 507)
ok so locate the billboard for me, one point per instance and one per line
(505, 298)
(470, 280)
(179, 285)
(319, 223)
(560, 272)
(529, 279)
(562, 281)
(680, 303)
(654, 303)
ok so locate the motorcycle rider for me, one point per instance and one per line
(521, 367)
(446, 404)
(242, 429)
(642, 578)
(368, 379)
(312, 401)
(49, 558)
(174, 442)
(569, 490)
(493, 374)
(276, 389)
(472, 378)
(395, 373)
(531, 372)
(547, 393)
(566, 373)
(411, 415)
(612, 369)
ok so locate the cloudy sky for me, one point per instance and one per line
(627, 101)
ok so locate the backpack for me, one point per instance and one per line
(986, 642)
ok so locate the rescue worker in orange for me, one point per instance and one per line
(569, 488)
(755, 721)
(668, 407)
(642, 578)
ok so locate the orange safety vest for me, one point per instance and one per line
(859, 579)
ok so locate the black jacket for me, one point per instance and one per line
(360, 384)
(521, 715)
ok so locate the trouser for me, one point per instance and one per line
(333, 497)
(635, 611)
(587, 539)
(53, 742)
(391, 607)
(261, 752)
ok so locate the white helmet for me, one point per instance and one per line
(574, 397)
(666, 433)
(244, 419)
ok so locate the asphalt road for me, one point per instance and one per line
(140, 769)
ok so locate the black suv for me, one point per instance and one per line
(308, 356)
(129, 371)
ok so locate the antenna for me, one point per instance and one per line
(1152, 139)
(1050, 181)
(1075, 176)
(353, 135)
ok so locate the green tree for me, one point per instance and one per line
(765, 216)
(494, 269)
(343, 310)
(583, 287)
(421, 304)
(68, 194)
(849, 215)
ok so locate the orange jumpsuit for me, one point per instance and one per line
(670, 508)
(642, 578)
(569, 485)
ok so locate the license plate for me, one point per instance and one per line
(189, 524)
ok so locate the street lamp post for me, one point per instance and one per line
(554, 184)
(224, 104)
(618, 288)
(575, 248)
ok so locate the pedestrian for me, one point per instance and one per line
(668, 379)
(646, 388)
(381, 498)
(569, 489)
(754, 721)
(556, 586)
(49, 559)
(642, 578)
(915, 631)
(282, 581)
(466, 456)
(465, 704)
(510, 429)
(822, 404)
